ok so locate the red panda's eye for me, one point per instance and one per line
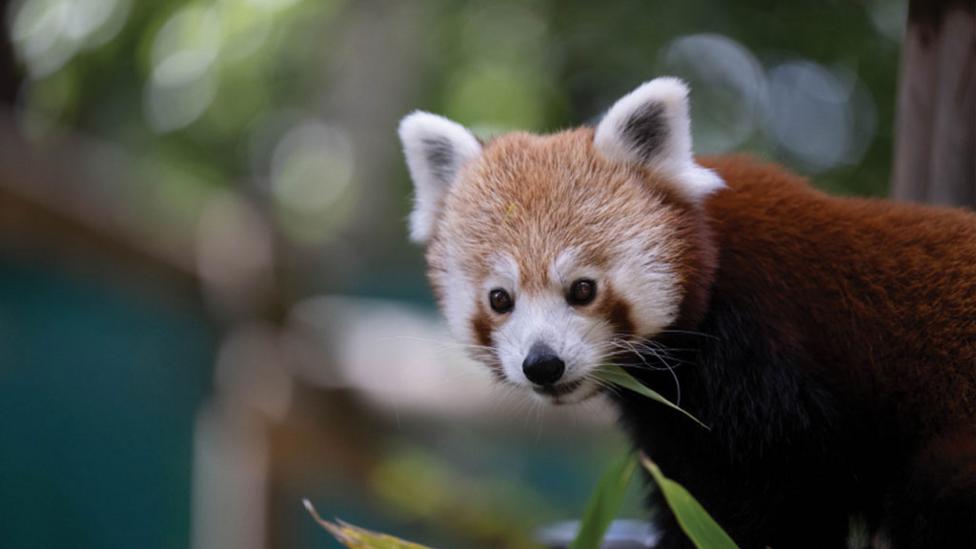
(581, 292)
(500, 301)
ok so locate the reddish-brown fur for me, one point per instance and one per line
(885, 292)
(843, 377)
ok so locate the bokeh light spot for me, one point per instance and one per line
(812, 116)
(183, 82)
(728, 89)
(48, 33)
(311, 176)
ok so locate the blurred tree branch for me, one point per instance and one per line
(51, 207)
(56, 209)
(935, 146)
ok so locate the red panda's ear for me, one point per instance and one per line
(650, 127)
(436, 149)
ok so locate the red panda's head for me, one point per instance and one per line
(550, 254)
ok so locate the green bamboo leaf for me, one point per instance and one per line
(611, 373)
(605, 503)
(354, 537)
(696, 523)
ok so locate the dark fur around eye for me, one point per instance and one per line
(500, 300)
(581, 292)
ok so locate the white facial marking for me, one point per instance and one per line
(504, 274)
(642, 276)
(459, 299)
(566, 269)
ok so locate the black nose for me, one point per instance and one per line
(542, 366)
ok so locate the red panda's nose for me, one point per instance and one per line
(541, 366)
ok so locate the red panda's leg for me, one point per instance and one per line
(936, 507)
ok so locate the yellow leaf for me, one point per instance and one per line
(355, 537)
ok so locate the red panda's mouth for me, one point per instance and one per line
(558, 389)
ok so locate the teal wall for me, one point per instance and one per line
(99, 384)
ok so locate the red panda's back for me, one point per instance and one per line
(881, 295)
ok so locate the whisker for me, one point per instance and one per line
(689, 332)
(649, 349)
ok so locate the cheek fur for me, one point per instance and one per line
(643, 299)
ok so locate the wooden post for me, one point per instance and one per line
(935, 141)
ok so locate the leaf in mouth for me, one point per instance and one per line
(616, 375)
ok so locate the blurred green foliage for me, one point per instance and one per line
(199, 93)
(605, 503)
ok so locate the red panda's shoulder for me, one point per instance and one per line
(745, 171)
(767, 195)
(756, 182)
(876, 289)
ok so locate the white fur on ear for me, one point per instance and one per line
(436, 149)
(650, 127)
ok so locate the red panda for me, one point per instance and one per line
(829, 343)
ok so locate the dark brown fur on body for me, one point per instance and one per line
(884, 292)
(836, 366)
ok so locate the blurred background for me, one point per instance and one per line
(208, 305)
